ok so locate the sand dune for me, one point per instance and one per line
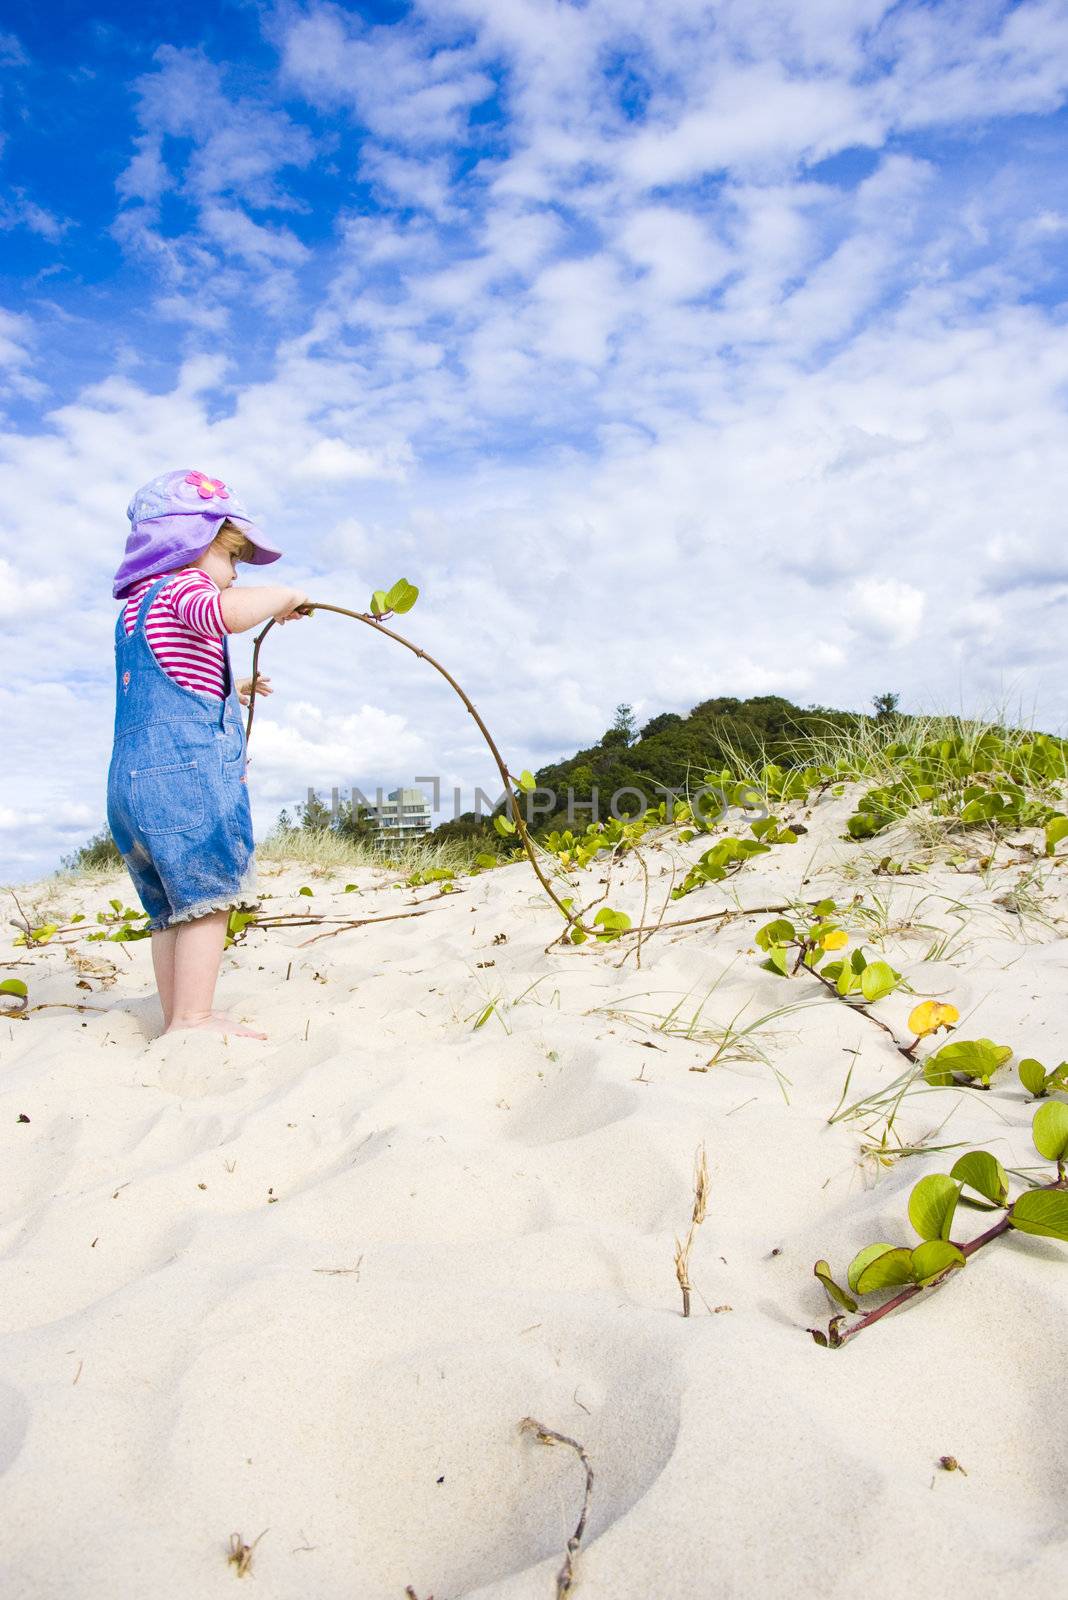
(312, 1285)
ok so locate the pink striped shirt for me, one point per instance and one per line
(185, 629)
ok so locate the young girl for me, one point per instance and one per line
(178, 806)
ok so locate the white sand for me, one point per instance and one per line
(313, 1285)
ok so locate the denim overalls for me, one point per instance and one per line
(178, 805)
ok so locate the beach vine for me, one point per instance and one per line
(1041, 1210)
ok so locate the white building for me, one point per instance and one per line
(405, 814)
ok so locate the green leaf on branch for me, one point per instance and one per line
(1032, 1076)
(613, 922)
(379, 603)
(878, 979)
(778, 932)
(835, 1292)
(889, 1270)
(527, 781)
(503, 826)
(1050, 1130)
(967, 1059)
(932, 1259)
(402, 596)
(1043, 1212)
(777, 961)
(932, 1204)
(1056, 830)
(981, 1171)
(862, 1261)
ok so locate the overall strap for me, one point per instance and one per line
(146, 600)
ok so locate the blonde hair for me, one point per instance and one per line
(231, 539)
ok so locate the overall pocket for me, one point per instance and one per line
(167, 799)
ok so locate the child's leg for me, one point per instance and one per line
(198, 950)
(163, 945)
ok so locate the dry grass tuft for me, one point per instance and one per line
(700, 1206)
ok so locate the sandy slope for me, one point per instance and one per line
(313, 1285)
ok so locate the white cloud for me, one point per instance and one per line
(581, 345)
(887, 608)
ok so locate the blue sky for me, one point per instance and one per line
(672, 349)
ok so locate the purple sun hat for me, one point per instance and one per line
(173, 519)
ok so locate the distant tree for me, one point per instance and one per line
(313, 814)
(655, 725)
(614, 737)
(624, 722)
(355, 821)
(885, 706)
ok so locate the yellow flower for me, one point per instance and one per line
(837, 940)
(931, 1015)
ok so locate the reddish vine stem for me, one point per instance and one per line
(969, 1249)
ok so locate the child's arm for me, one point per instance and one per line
(243, 609)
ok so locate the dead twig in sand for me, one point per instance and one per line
(362, 922)
(700, 1205)
(240, 1555)
(565, 1578)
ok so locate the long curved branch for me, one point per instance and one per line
(506, 778)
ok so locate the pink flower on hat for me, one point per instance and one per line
(207, 487)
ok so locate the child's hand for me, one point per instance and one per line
(244, 687)
(291, 610)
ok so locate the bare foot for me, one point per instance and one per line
(215, 1022)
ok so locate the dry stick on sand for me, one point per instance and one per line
(700, 1205)
(566, 1576)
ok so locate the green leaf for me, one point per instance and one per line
(777, 961)
(485, 1015)
(503, 826)
(888, 1271)
(878, 979)
(778, 932)
(847, 980)
(931, 1259)
(972, 1058)
(351, 888)
(984, 1173)
(14, 986)
(304, 889)
(1032, 1075)
(402, 596)
(578, 937)
(1056, 830)
(379, 603)
(932, 1204)
(870, 1253)
(527, 781)
(1042, 1211)
(835, 1292)
(613, 922)
(485, 860)
(1050, 1130)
